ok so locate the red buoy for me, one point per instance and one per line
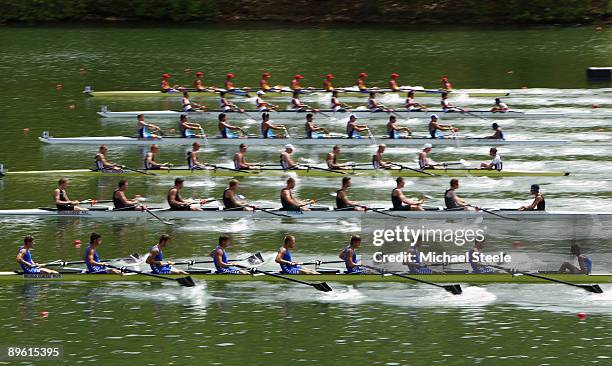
(581, 316)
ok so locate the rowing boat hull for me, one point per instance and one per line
(342, 278)
(257, 141)
(320, 214)
(303, 173)
(363, 114)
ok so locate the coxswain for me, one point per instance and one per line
(373, 104)
(61, 199)
(228, 131)
(92, 259)
(474, 256)
(337, 105)
(332, 159)
(342, 200)
(262, 105)
(122, 203)
(361, 83)
(436, 129)
(219, 256)
(226, 105)
(189, 129)
(176, 202)
(285, 259)
(400, 202)
(165, 84)
(498, 134)
(394, 131)
(230, 198)
(349, 256)
(377, 158)
(495, 163)
(155, 259)
(295, 83)
(25, 260)
(288, 202)
(150, 163)
(103, 165)
(454, 202)
(312, 130)
(240, 161)
(499, 107)
(447, 106)
(189, 106)
(328, 83)
(198, 84)
(445, 84)
(192, 157)
(425, 162)
(268, 128)
(538, 204)
(353, 128)
(147, 130)
(415, 262)
(286, 161)
(229, 84)
(393, 86)
(413, 106)
(585, 263)
(264, 84)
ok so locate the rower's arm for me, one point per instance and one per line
(349, 256)
(288, 198)
(219, 257)
(172, 199)
(152, 255)
(582, 264)
(20, 259)
(90, 258)
(279, 257)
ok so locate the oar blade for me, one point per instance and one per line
(593, 288)
(454, 289)
(323, 286)
(186, 281)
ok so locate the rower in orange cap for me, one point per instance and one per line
(263, 83)
(295, 83)
(198, 84)
(445, 84)
(327, 83)
(229, 84)
(165, 84)
(361, 84)
(393, 82)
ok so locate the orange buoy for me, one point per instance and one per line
(26, 131)
(77, 243)
(594, 105)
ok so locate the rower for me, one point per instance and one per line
(436, 128)
(25, 260)
(538, 204)
(165, 84)
(285, 260)
(373, 104)
(92, 260)
(413, 106)
(192, 157)
(122, 203)
(445, 84)
(349, 256)
(425, 162)
(239, 160)
(264, 85)
(288, 202)
(402, 203)
(343, 202)
(393, 82)
(262, 105)
(268, 128)
(226, 130)
(332, 159)
(295, 83)
(145, 129)
(377, 158)
(103, 165)
(62, 201)
(222, 265)
(150, 163)
(296, 103)
(473, 256)
(454, 202)
(189, 106)
(337, 105)
(353, 128)
(226, 105)
(499, 106)
(446, 105)
(328, 84)
(361, 83)
(312, 130)
(155, 259)
(394, 131)
(495, 163)
(286, 161)
(230, 199)
(229, 84)
(498, 134)
(415, 263)
(585, 263)
(176, 202)
(190, 130)
(198, 84)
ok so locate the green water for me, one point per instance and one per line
(233, 324)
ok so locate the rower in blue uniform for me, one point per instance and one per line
(538, 204)
(349, 256)
(25, 260)
(394, 131)
(228, 131)
(155, 260)
(495, 163)
(473, 254)
(415, 263)
(92, 260)
(498, 134)
(145, 130)
(353, 129)
(312, 130)
(285, 260)
(268, 128)
(585, 263)
(189, 129)
(436, 129)
(222, 265)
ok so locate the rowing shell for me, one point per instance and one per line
(312, 172)
(318, 212)
(360, 113)
(258, 141)
(350, 278)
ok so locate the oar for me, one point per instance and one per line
(321, 286)
(61, 263)
(157, 217)
(230, 169)
(325, 169)
(422, 171)
(590, 288)
(269, 211)
(493, 213)
(136, 170)
(453, 289)
(321, 262)
(252, 259)
(183, 281)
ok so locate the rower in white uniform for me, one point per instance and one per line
(240, 162)
(192, 158)
(413, 106)
(262, 105)
(189, 106)
(332, 159)
(226, 105)
(446, 105)
(373, 104)
(286, 160)
(499, 107)
(495, 163)
(425, 162)
(103, 165)
(150, 163)
(296, 103)
(337, 105)
(377, 159)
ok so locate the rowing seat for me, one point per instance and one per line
(211, 208)
(328, 270)
(320, 208)
(200, 271)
